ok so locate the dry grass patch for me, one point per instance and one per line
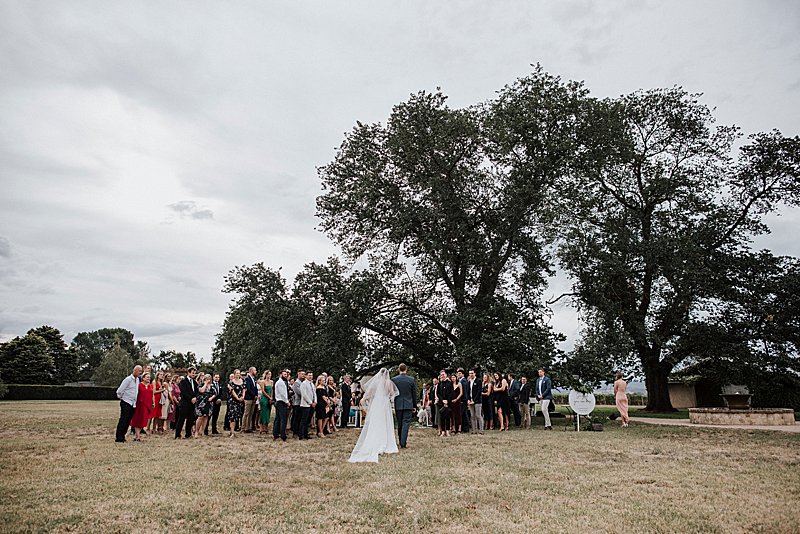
(62, 472)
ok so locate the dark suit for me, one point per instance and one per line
(513, 393)
(404, 404)
(444, 392)
(525, 393)
(216, 391)
(347, 396)
(185, 416)
(465, 422)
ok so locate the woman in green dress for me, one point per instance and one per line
(265, 401)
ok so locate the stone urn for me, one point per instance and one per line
(736, 397)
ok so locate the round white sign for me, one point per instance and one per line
(581, 403)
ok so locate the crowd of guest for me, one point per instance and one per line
(190, 405)
(455, 403)
(304, 406)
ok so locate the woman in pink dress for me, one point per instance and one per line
(174, 392)
(144, 406)
(159, 390)
(621, 398)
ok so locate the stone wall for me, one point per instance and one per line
(682, 396)
(757, 416)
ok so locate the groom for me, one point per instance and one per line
(405, 402)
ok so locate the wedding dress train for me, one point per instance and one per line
(378, 436)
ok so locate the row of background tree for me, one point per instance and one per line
(451, 220)
(102, 356)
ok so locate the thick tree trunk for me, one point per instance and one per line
(657, 383)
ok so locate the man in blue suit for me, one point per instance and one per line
(405, 403)
(544, 392)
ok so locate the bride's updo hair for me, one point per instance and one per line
(383, 370)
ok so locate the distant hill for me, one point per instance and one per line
(633, 387)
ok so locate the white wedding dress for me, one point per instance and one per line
(378, 436)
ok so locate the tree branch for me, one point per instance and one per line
(550, 302)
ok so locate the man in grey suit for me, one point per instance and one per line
(405, 403)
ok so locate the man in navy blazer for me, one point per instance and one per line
(250, 399)
(544, 392)
(405, 403)
(514, 387)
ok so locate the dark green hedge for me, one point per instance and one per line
(48, 392)
(604, 399)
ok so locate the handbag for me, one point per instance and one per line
(164, 399)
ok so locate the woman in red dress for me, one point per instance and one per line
(155, 414)
(144, 406)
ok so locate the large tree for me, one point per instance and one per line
(115, 365)
(649, 231)
(65, 360)
(26, 360)
(752, 335)
(447, 206)
(92, 346)
(271, 325)
(172, 359)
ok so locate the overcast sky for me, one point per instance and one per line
(146, 148)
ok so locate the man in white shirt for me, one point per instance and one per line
(281, 406)
(308, 401)
(127, 392)
(297, 414)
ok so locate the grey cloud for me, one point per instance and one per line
(148, 331)
(111, 114)
(5, 247)
(184, 282)
(190, 209)
(271, 199)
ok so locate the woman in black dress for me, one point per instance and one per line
(331, 422)
(503, 401)
(235, 401)
(321, 410)
(444, 394)
(487, 401)
(203, 406)
(458, 394)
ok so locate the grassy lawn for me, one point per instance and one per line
(62, 472)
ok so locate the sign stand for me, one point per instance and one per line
(581, 404)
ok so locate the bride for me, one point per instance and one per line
(377, 436)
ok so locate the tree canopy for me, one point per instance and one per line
(115, 366)
(651, 231)
(448, 206)
(450, 221)
(26, 360)
(92, 346)
(271, 326)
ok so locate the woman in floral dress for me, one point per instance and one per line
(235, 401)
